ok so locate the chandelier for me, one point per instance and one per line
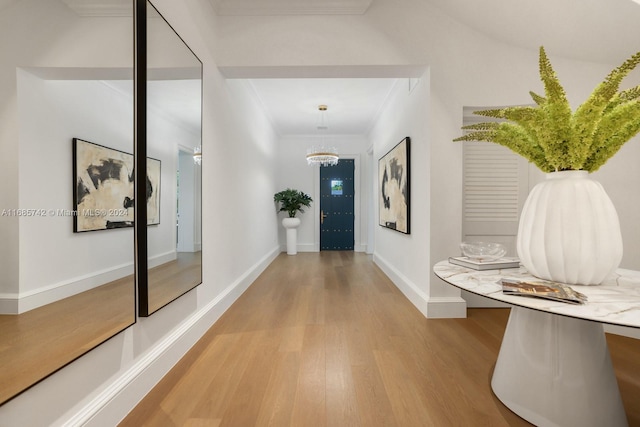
(322, 155)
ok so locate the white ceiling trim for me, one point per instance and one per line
(6, 3)
(323, 71)
(101, 8)
(289, 7)
(81, 73)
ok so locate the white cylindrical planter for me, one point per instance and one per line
(291, 225)
(569, 230)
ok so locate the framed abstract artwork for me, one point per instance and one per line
(394, 189)
(153, 191)
(103, 188)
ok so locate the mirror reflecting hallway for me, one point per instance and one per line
(174, 278)
(326, 339)
(67, 257)
(63, 330)
(72, 326)
(172, 133)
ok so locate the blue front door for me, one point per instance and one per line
(336, 206)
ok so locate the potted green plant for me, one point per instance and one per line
(291, 201)
(569, 229)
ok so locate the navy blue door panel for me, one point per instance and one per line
(336, 206)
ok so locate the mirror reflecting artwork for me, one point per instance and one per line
(66, 72)
(174, 123)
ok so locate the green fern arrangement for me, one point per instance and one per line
(553, 137)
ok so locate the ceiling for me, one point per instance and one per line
(352, 104)
(612, 29)
(590, 30)
(290, 7)
(6, 3)
(605, 31)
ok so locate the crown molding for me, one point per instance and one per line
(289, 7)
(101, 8)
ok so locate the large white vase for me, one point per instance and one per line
(569, 230)
(291, 224)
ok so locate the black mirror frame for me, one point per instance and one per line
(140, 153)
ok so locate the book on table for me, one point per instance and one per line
(487, 264)
(542, 289)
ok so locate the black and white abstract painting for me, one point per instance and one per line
(393, 184)
(103, 188)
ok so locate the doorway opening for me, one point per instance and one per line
(187, 214)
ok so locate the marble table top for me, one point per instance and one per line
(616, 301)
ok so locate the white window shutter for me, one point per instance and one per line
(495, 186)
(491, 186)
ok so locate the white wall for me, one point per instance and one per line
(407, 258)
(239, 240)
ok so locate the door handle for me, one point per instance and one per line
(322, 217)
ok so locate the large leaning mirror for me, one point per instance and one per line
(67, 254)
(173, 188)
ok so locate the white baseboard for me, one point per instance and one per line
(447, 308)
(9, 303)
(301, 247)
(304, 247)
(25, 301)
(623, 330)
(430, 307)
(125, 392)
(311, 247)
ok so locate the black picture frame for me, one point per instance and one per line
(394, 189)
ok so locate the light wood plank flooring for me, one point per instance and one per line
(37, 343)
(170, 280)
(327, 340)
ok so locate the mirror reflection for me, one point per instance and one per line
(174, 106)
(66, 72)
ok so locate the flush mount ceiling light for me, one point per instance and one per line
(322, 155)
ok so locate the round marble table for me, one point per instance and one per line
(554, 368)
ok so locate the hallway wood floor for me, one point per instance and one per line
(325, 339)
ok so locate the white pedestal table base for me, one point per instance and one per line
(556, 371)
